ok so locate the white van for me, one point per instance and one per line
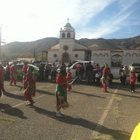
(72, 68)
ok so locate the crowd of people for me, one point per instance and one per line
(129, 77)
(63, 78)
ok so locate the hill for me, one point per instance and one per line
(17, 49)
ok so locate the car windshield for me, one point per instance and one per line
(136, 64)
(19, 67)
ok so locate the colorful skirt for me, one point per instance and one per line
(61, 96)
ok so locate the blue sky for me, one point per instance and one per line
(30, 20)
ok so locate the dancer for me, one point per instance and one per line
(29, 86)
(24, 70)
(104, 84)
(13, 74)
(61, 92)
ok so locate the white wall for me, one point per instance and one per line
(131, 56)
(81, 55)
(51, 57)
(101, 57)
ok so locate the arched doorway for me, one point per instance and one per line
(65, 57)
(116, 60)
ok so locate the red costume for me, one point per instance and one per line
(132, 81)
(104, 86)
(133, 78)
(13, 74)
(69, 79)
(29, 86)
(105, 72)
(24, 70)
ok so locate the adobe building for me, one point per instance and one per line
(69, 49)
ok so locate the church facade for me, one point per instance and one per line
(69, 49)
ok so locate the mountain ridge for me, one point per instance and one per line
(18, 48)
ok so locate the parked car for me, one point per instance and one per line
(135, 66)
(20, 74)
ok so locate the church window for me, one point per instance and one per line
(65, 48)
(68, 35)
(55, 55)
(63, 35)
(76, 55)
(116, 60)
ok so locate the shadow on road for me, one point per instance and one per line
(7, 109)
(15, 96)
(44, 92)
(87, 94)
(116, 134)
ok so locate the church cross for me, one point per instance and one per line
(68, 20)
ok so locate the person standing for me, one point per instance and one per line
(1, 80)
(61, 92)
(41, 71)
(53, 72)
(13, 74)
(89, 70)
(121, 74)
(132, 81)
(29, 86)
(7, 72)
(125, 73)
(47, 69)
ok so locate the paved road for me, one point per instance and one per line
(93, 114)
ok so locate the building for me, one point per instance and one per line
(69, 49)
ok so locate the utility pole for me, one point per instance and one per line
(34, 51)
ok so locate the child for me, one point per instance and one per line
(132, 81)
(104, 84)
(97, 77)
(138, 79)
(69, 79)
(127, 80)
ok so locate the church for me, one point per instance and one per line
(68, 49)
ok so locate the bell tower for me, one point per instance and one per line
(67, 41)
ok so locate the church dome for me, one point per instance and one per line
(68, 27)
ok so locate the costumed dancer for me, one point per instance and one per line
(104, 84)
(1, 80)
(69, 79)
(29, 86)
(61, 92)
(105, 73)
(13, 74)
(24, 70)
(132, 81)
